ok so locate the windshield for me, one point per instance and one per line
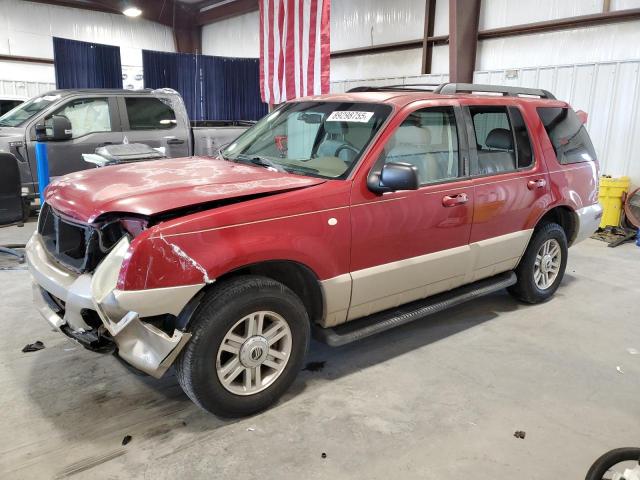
(324, 139)
(25, 111)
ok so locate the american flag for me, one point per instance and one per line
(294, 49)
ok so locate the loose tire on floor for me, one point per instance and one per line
(544, 259)
(249, 340)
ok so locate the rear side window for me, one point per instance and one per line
(523, 144)
(568, 136)
(502, 139)
(149, 114)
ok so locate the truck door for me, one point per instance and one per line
(153, 122)
(408, 245)
(511, 186)
(94, 123)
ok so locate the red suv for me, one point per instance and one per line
(343, 215)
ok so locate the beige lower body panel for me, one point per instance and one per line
(371, 290)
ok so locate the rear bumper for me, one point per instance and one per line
(588, 222)
(67, 301)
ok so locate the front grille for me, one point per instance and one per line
(74, 245)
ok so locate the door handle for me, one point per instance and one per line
(453, 200)
(104, 144)
(539, 183)
(175, 141)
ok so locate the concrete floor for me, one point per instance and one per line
(440, 398)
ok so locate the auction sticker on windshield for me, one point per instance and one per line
(346, 116)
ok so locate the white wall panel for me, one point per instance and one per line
(624, 4)
(441, 22)
(593, 44)
(388, 64)
(502, 13)
(235, 37)
(361, 23)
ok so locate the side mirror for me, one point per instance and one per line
(58, 128)
(394, 176)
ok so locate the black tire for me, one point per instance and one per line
(221, 308)
(526, 289)
(610, 459)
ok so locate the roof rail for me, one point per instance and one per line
(453, 88)
(416, 87)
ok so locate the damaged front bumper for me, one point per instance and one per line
(89, 309)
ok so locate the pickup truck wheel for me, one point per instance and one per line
(249, 340)
(542, 266)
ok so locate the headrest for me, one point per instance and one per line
(500, 138)
(336, 128)
(412, 135)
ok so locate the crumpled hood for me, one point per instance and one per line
(154, 187)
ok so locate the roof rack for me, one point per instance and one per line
(453, 88)
(418, 87)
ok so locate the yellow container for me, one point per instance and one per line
(610, 197)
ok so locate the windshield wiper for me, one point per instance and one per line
(263, 162)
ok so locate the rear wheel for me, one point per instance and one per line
(542, 266)
(249, 340)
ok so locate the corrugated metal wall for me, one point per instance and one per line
(24, 89)
(608, 91)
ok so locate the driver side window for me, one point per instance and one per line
(87, 115)
(428, 139)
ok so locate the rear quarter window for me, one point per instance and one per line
(146, 113)
(567, 134)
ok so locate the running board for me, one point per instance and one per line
(388, 319)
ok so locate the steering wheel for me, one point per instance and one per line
(346, 146)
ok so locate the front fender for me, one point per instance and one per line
(318, 240)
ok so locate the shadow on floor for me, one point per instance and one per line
(87, 395)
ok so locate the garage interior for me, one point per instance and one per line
(492, 388)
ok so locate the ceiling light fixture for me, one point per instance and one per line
(132, 12)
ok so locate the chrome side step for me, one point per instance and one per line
(388, 319)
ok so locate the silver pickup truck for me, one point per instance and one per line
(79, 121)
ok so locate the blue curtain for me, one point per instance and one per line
(232, 87)
(213, 88)
(179, 71)
(86, 65)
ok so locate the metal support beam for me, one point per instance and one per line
(17, 58)
(464, 17)
(390, 47)
(581, 21)
(427, 46)
(225, 10)
(188, 40)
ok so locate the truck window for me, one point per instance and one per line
(87, 115)
(494, 140)
(428, 139)
(149, 114)
(568, 136)
(523, 142)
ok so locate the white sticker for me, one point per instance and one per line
(347, 116)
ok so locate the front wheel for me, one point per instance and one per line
(249, 340)
(603, 467)
(542, 266)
